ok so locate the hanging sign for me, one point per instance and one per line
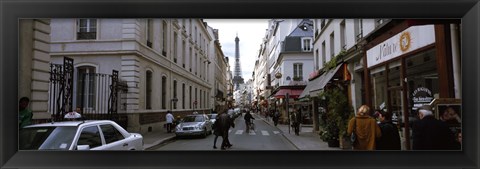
(409, 40)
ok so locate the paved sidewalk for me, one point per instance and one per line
(306, 140)
(154, 138)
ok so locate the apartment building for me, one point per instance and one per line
(164, 64)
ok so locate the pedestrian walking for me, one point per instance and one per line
(169, 118)
(223, 125)
(276, 116)
(24, 114)
(247, 117)
(431, 134)
(366, 129)
(218, 131)
(295, 119)
(390, 139)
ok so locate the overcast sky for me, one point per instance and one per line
(250, 33)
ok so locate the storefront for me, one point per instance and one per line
(406, 67)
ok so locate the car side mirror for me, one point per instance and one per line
(83, 147)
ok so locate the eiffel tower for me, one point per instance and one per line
(237, 74)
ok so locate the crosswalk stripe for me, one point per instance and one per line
(252, 132)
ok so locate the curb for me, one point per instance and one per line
(290, 141)
(158, 142)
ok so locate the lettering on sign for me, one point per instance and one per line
(422, 95)
(409, 40)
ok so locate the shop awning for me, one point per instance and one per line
(324, 79)
(293, 93)
(310, 85)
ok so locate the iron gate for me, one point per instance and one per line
(96, 93)
(61, 89)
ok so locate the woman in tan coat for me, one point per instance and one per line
(366, 129)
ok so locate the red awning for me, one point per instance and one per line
(293, 93)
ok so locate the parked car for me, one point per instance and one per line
(79, 135)
(194, 125)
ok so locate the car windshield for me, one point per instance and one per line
(46, 138)
(193, 119)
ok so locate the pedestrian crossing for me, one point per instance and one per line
(253, 133)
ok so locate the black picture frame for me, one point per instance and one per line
(12, 11)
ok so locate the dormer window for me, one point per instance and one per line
(307, 44)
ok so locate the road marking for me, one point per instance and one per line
(252, 133)
(265, 133)
(276, 132)
(239, 132)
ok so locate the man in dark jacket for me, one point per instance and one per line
(430, 133)
(247, 118)
(390, 139)
(223, 124)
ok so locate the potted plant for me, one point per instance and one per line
(330, 135)
(296, 78)
(339, 112)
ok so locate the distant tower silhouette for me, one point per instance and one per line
(237, 74)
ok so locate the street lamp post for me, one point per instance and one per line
(278, 75)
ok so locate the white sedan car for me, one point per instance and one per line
(192, 125)
(79, 135)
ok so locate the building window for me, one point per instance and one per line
(174, 93)
(86, 29)
(343, 38)
(184, 53)
(322, 24)
(164, 92)
(297, 71)
(195, 63)
(175, 36)
(317, 59)
(195, 35)
(164, 38)
(149, 32)
(183, 96)
(201, 99)
(195, 106)
(332, 45)
(191, 59)
(358, 23)
(86, 95)
(307, 44)
(207, 102)
(324, 53)
(148, 91)
(190, 97)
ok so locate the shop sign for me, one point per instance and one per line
(411, 39)
(421, 96)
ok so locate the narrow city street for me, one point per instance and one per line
(265, 137)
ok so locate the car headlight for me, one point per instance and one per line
(199, 126)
